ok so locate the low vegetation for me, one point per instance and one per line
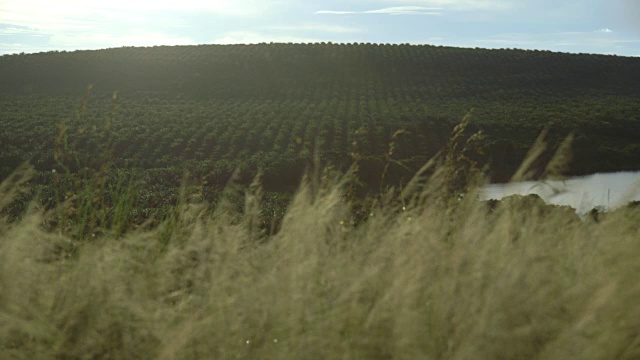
(428, 274)
(213, 109)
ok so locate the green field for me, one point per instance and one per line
(278, 109)
(214, 109)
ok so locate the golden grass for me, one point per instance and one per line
(439, 279)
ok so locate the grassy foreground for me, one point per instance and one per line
(425, 277)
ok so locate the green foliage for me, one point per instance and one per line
(116, 161)
(273, 107)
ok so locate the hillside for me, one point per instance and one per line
(319, 71)
(125, 255)
(212, 109)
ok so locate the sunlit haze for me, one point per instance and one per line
(578, 26)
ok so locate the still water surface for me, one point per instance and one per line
(606, 190)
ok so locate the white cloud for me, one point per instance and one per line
(429, 7)
(605, 30)
(459, 5)
(338, 29)
(46, 12)
(114, 22)
(407, 10)
(106, 40)
(89, 24)
(395, 10)
(9, 48)
(251, 37)
(12, 31)
(14, 48)
(96, 41)
(335, 12)
(41, 19)
(598, 41)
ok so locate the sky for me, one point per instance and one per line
(577, 26)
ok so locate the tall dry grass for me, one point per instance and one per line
(425, 277)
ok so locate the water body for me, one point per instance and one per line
(583, 193)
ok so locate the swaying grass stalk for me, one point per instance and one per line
(426, 279)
